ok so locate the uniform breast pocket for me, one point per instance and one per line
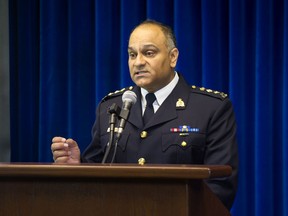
(185, 148)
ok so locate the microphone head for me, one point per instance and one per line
(129, 96)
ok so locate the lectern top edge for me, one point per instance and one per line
(115, 170)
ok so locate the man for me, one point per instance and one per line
(190, 125)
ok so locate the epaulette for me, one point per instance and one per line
(210, 92)
(116, 93)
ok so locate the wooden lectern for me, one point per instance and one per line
(118, 189)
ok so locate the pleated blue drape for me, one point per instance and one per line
(66, 55)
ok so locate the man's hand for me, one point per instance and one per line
(65, 150)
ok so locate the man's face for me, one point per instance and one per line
(151, 64)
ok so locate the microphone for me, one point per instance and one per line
(129, 98)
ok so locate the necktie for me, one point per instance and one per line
(149, 111)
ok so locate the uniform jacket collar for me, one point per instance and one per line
(166, 112)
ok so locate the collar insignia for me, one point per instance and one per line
(180, 104)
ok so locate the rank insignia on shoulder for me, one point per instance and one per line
(211, 92)
(117, 92)
(180, 104)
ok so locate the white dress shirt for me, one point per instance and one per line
(160, 95)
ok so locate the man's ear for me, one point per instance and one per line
(174, 53)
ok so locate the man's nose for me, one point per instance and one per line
(140, 60)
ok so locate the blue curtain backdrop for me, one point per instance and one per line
(66, 55)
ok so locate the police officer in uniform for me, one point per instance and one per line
(190, 125)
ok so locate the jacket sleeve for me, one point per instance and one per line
(221, 149)
(94, 151)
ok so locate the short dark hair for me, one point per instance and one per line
(167, 31)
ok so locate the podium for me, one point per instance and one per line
(118, 189)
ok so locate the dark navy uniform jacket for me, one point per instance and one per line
(192, 126)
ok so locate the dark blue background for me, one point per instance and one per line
(66, 55)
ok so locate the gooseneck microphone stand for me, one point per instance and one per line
(114, 111)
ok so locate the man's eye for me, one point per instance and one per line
(132, 55)
(150, 53)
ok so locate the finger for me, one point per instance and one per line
(58, 139)
(71, 142)
(59, 146)
(61, 159)
(61, 153)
